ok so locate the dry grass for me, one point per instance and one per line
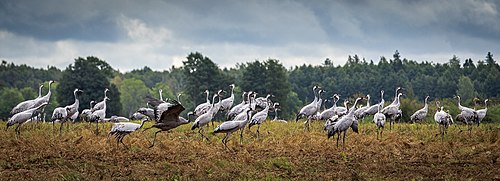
(284, 151)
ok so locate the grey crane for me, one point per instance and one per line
(392, 112)
(276, 109)
(204, 119)
(372, 110)
(85, 115)
(25, 105)
(122, 129)
(469, 114)
(249, 104)
(309, 110)
(359, 113)
(102, 104)
(379, 120)
(344, 123)
(396, 99)
(481, 113)
(99, 115)
(443, 119)
(118, 119)
(420, 114)
(340, 111)
(227, 103)
(169, 119)
(21, 117)
(203, 107)
(328, 113)
(259, 118)
(235, 109)
(44, 99)
(62, 114)
(216, 106)
(230, 127)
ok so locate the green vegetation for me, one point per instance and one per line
(285, 151)
(291, 86)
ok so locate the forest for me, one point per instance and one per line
(471, 79)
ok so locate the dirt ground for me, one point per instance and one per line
(284, 151)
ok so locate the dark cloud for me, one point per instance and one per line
(295, 30)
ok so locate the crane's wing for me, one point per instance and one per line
(153, 101)
(172, 114)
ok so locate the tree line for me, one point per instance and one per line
(290, 86)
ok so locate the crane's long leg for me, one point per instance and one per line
(258, 132)
(224, 140)
(18, 129)
(202, 129)
(241, 135)
(109, 135)
(121, 141)
(381, 133)
(60, 128)
(97, 127)
(338, 138)
(378, 128)
(154, 139)
(343, 140)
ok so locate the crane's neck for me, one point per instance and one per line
(368, 101)
(40, 91)
(161, 94)
(459, 105)
(179, 98)
(315, 95)
(232, 92)
(142, 123)
(351, 112)
(249, 115)
(208, 100)
(486, 104)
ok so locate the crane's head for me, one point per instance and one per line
(232, 86)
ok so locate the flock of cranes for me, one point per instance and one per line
(251, 111)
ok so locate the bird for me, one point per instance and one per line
(161, 94)
(239, 111)
(62, 114)
(469, 115)
(169, 119)
(102, 104)
(25, 105)
(392, 112)
(203, 119)
(276, 109)
(99, 115)
(360, 111)
(340, 111)
(372, 110)
(122, 129)
(216, 106)
(328, 113)
(85, 115)
(259, 117)
(309, 110)
(44, 99)
(148, 112)
(235, 109)
(379, 120)
(443, 119)
(227, 103)
(118, 119)
(481, 113)
(21, 117)
(230, 127)
(420, 114)
(396, 100)
(344, 123)
(203, 107)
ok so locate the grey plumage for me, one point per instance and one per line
(169, 119)
(25, 105)
(344, 123)
(372, 110)
(204, 119)
(230, 127)
(21, 117)
(122, 129)
(420, 114)
(227, 103)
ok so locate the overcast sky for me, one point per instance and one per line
(161, 33)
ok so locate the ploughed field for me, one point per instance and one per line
(284, 151)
